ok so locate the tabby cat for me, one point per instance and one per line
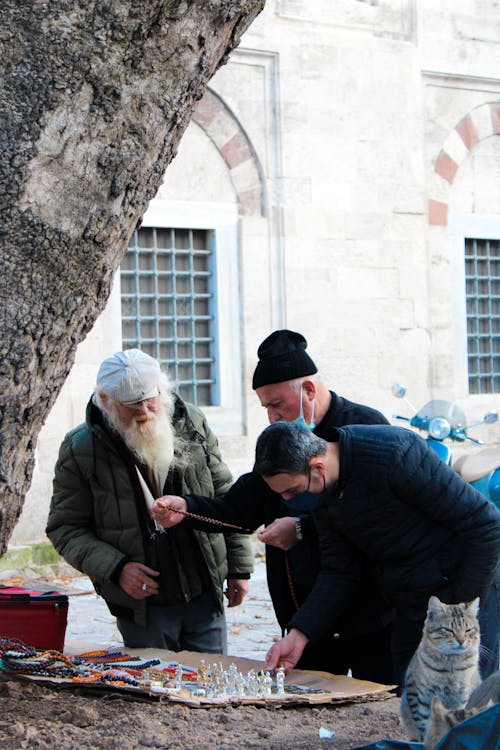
(442, 719)
(445, 664)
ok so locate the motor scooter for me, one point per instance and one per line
(442, 420)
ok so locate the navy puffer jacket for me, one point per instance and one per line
(424, 529)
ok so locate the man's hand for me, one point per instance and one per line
(237, 589)
(168, 518)
(138, 581)
(280, 533)
(287, 652)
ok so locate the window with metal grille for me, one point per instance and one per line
(482, 282)
(168, 306)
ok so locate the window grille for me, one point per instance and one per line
(482, 282)
(168, 306)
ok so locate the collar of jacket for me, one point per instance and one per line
(342, 437)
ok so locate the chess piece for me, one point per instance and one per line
(267, 684)
(202, 673)
(280, 681)
(252, 683)
(178, 677)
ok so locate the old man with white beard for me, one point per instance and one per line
(140, 441)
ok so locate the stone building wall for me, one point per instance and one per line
(352, 145)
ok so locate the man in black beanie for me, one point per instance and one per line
(288, 385)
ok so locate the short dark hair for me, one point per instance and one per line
(286, 448)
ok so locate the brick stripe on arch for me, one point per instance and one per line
(233, 144)
(482, 122)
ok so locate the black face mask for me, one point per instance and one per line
(308, 501)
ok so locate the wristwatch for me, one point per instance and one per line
(298, 528)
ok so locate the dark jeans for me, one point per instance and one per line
(367, 656)
(195, 626)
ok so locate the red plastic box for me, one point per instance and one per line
(36, 618)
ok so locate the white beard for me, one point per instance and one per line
(151, 441)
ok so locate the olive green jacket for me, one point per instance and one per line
(93, 520)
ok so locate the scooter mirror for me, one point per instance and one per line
(490, 417)
(398, 390)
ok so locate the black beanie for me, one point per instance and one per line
(282, 356)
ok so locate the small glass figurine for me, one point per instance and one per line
(280, 681)
(232, 674)
(202, 673)
(240, 685)
(178, 677)
(155, 679)
(267, 682)
(252, 683)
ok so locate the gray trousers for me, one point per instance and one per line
(194, 626)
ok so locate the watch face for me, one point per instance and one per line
(298, 528)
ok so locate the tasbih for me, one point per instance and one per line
(205, 519)
(18, 658)
(103, 656)
(8, 644)
(37, 662)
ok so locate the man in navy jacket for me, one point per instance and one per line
(385, 496)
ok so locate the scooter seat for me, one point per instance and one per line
(472, 467)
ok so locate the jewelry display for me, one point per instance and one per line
(175, 681)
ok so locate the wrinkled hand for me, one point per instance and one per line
(168, 518)
(280, 533)
(287, 652)
(237, 589)
(138, 581)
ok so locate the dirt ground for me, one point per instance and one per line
(36, 716)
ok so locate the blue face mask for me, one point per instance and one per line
(300, 419)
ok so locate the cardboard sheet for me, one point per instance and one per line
(325, 688)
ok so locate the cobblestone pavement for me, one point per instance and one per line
(251, 627)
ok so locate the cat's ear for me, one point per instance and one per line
(434, 605)
(473, 606)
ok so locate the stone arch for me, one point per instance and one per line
(226, 133)
(482, 122)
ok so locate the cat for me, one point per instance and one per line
(442, 719)
(488, 690)
(446, 664)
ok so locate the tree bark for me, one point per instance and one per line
(94, 98)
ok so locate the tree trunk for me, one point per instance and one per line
(94, 98)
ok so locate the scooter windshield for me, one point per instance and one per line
(446, 409)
